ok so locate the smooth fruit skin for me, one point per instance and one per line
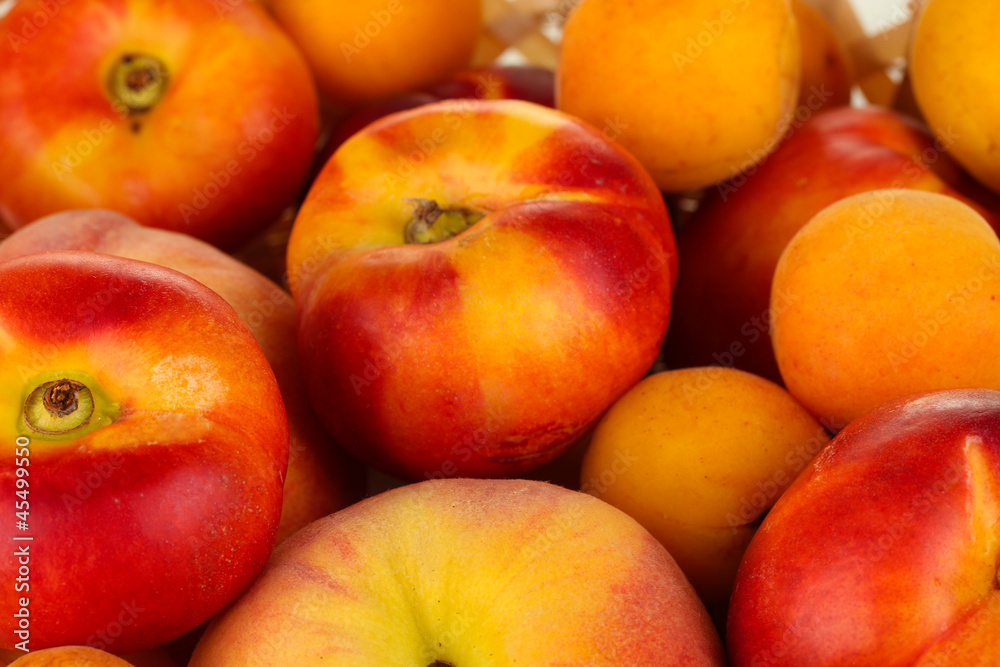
(696, 456)
(70, 656)
(370, 49)
(488, 353)
(956, 93)
(472, 573)
(731, 246)
(700, 90)
(321, 478)
(489, 82)
(887, 293)
(149, 524)
(221, 153)
(885, 550)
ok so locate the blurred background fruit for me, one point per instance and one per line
(955, 66)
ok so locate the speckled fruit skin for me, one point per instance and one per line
(698, 91)
(884, 294)
(149, 524)
(884, 551)
(488, 353)
(697, 455)
(956, 93)
(720, 312)
(321, 478)
(366, 50)
(472, 573)
(224, 150)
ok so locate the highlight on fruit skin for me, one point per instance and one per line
(321, 477)
(539, 291)
(149, 446)
(884, 552)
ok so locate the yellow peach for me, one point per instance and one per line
(369, 49)
(887, 293)
(696, 455)
(697, 91)
(956, 80)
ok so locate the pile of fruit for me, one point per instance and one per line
(326, 339)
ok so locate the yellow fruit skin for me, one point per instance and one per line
(696, 455)
(955, 69)
(365, 50)
(887, 293)
(698, 91)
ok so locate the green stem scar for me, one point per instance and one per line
(137, 82)
(58, 406)
(432, 224)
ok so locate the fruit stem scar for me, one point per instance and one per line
(60, 398)
(432, 224)
(137, 82)
(58, 406)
